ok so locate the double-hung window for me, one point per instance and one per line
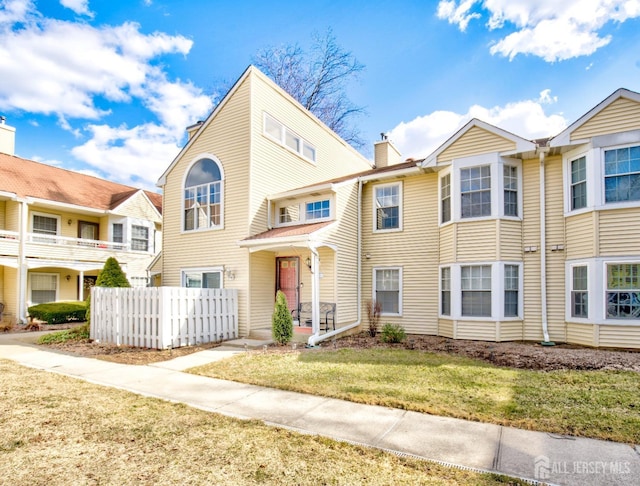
(45, 225)
(622, 174)
(511, 290)
(139, 238)
(475, 281)
(579, 291)
(475, 191)
(445, 291)
(118, 233)
(579, 183)
(387, 206)
(445, 198)
(44, 287)
(623, 291)
(510, 181)
(387, 283)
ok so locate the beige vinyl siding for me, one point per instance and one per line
(476, 241)
(227, 137)
(139, 206)
(343, 235)
(581, 235)
(476, 330)
(445, 328)
(531, 260)
(275, 168)
(414, 249)
(12, 216)
(2, 218)
(10, 292)
(475, 142)
(619, 232)
(447, 243)
(619, 336)
(262, 289)
(620, 116)
(510, 331)
(509, 240)
(583, 334)
(555, 259)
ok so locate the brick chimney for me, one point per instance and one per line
(7, 137)
(385, 153)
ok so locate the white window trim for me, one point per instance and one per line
(594, 156)
(57, 217)
(373, 287)
(495, 163)
(497, 292)
(222, 195)
(57, 277)
(281, 141)
(443, 173)
(302, 210)
(201, 270)
(597, 288)
(400, 208)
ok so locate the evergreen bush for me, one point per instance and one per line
(281, 320)
(393, 333)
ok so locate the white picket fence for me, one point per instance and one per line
(163, 317)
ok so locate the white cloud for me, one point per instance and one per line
(81, 7)
(549, 29)
(44, 72)
(421, 136)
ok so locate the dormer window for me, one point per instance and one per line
(304, 211)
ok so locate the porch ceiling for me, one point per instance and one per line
(71, 265)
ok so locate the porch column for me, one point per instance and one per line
(81, 289)
(315, 291)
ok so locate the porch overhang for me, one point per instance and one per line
(9, 262)
(282, 238)
(33, 263)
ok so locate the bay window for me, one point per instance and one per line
(623, 291)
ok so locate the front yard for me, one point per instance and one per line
(60, 430)
(598, 404)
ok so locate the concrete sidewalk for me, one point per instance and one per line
(539, 457)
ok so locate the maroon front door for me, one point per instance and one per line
(288, 279)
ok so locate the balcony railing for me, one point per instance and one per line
(66, 241)
(8, 235)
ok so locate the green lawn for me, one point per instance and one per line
(598, 404)
(60, 430)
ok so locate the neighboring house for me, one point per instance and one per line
(58, 227)
(492, 237)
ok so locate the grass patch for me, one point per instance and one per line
(597, 404)
(77, 333)
(59, 430)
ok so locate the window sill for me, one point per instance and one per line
(201, 230)
(391, 230)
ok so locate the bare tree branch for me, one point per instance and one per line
(318, 81)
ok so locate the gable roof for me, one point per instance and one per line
(202, 126)
(521, 144)
(564, 137)
(26, 178)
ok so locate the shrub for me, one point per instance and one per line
(111, 275)
(373, 313)
(281, 320)
(59, 312)
(393, 333)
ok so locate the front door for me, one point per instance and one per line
(288, 279)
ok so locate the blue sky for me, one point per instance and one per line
(107, 87)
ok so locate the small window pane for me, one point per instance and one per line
(273, 128)
(445, 192)
(511, 289)
(308, 151)
(623, 291)
(387, 200)
(579, 291)
(510, 191)
(622, 174)
(445, 293)
(118, 233)
(292, 141)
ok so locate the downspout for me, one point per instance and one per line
(543, 253)
(316, 338)
(23, 215)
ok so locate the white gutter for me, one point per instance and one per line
(316, 338)
(543, 251)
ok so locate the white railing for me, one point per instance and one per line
(9, 235)
(66, 241)
(163, 317)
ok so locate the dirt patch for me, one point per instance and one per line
(524, 355)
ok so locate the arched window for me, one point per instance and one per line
(203, 196)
